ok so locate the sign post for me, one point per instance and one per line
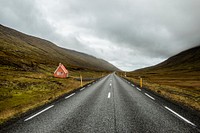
(140, 82)
(81, 80)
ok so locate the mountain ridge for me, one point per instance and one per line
(186, 60)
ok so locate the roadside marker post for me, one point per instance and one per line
(140, 82)
(81, 80)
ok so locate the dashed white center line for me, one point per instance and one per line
(179, 116)
(132, 85)
(138, 88)
(82, 88)
(110, 84)
(109, 95)
(149, 96)
(69, 96)
(39, 113)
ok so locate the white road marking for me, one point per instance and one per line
(132, 85)
(89, 85)
(82, 88)
(110, 84)
(149, 96)
(39, 113)
(179, 116)
(109, 95)
(138, 88)
(69, 96)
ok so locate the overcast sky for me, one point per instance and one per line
(130, 34)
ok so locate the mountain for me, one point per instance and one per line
(31, 53)
(187, 61)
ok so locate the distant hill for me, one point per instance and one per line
(31, 53)
(187, 61)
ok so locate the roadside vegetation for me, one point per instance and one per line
(21, 91)
(182, 87)
(177, 78)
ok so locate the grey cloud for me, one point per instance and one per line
(128, 33)
(153, 25)
(24, 15)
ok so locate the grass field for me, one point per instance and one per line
(21, 91)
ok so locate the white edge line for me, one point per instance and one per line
(82, 88)
(179, 116)
(69, 96)
(138, 88)
(149, 96)
(109, 95)
(39, 113)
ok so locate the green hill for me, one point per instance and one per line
(188, 61)
(30, 53)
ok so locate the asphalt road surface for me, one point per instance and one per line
(110, 105)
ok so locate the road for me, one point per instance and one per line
(109, 105)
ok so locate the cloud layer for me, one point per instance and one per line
(128, 33)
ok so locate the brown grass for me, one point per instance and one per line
(21, 91)
(26, 100)
(179, 88)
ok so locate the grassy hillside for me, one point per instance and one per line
(177, 78)
(30, 53)
(27, 64)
